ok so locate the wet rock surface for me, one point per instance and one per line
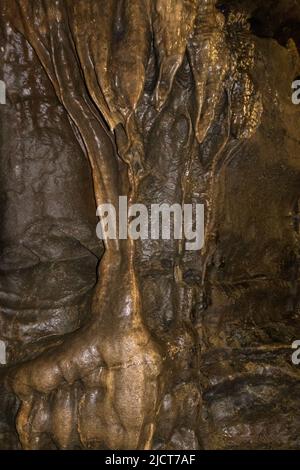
(155, 346)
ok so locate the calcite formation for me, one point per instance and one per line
(142, 344)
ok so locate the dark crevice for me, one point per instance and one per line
(279, 20)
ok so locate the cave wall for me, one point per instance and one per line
(202, 360)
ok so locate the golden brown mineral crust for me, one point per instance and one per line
(166, 102)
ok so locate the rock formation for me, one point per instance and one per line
(142, 344)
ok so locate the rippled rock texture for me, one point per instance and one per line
(142, 344)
